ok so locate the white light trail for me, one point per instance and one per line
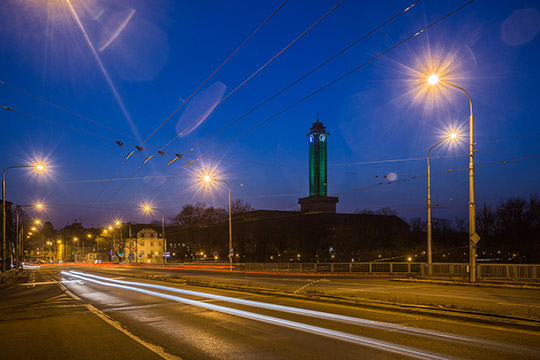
(293, 310)
(380, 345)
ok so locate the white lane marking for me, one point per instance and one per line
(305, 286)
(293, 310)
(380, 345)
(118, 326)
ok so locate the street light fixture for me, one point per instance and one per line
(434, 79)
(207, 180)
(149, 209)
(75, 239)
(39, 168)
(452, 136)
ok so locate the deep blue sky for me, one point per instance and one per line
(129, 64)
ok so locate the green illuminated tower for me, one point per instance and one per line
(317, 159)
(317, 200)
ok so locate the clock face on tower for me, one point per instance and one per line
(322, 137)
(311, 138)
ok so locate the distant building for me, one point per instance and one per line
(284, 236)
(146, 246)
(315, 234)
(318, 201)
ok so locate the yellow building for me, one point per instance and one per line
(147, 247)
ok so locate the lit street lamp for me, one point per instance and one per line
(207, 179)
(429, 252)
(75, 239)
(89, 236)
(433, 79)
(147, 208)
(39, 168)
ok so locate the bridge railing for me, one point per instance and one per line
(513, 273)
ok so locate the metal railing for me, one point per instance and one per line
(386, 268)
(508, 273)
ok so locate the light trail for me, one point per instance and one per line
(289, 309)
(361, 340)
(292, 310)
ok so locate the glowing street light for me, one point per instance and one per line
(452, 136)
(149, 209)
(434, 79)
(37, 167)
(207, 180)
(75, 239)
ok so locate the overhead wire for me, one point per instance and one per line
(319, 90)
(233, 91)
(255, 73)
(160, 151)
(306, 74)
(66, 110)
(215, 71)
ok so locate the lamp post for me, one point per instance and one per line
(207, 179)
(75, 239)
(19, 235)
(473, 236)
(38, 167)
(147, 208)
(89, 236)
(429, 252)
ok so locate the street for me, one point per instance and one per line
(77, 312)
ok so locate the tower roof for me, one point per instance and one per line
(318, 127)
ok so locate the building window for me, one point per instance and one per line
(142, 243)
(151, 243)
(142, 252)
(160, 243)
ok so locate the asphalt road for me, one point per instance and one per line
(89, 315)
(523, 303)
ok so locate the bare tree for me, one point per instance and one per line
(239, 207)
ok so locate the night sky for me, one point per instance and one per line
(109, 71)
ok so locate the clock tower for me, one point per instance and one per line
(318, 201)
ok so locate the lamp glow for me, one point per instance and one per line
(207, 179)
(452, 136)
(433, 79)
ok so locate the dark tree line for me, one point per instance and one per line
(509, 232)
(199, 214)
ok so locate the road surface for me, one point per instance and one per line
(67, 313)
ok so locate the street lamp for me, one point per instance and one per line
(75, 239)
(429, 252)
(149, 209)
(207, 180)
(39, 168)
(89, 236)
(19, 239)
(434, 79)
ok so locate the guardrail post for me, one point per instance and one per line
(315, 267)
(350, 267)
(370, 268)
(301, 267)
(391, 267)
(409, 268)
(332, 268)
